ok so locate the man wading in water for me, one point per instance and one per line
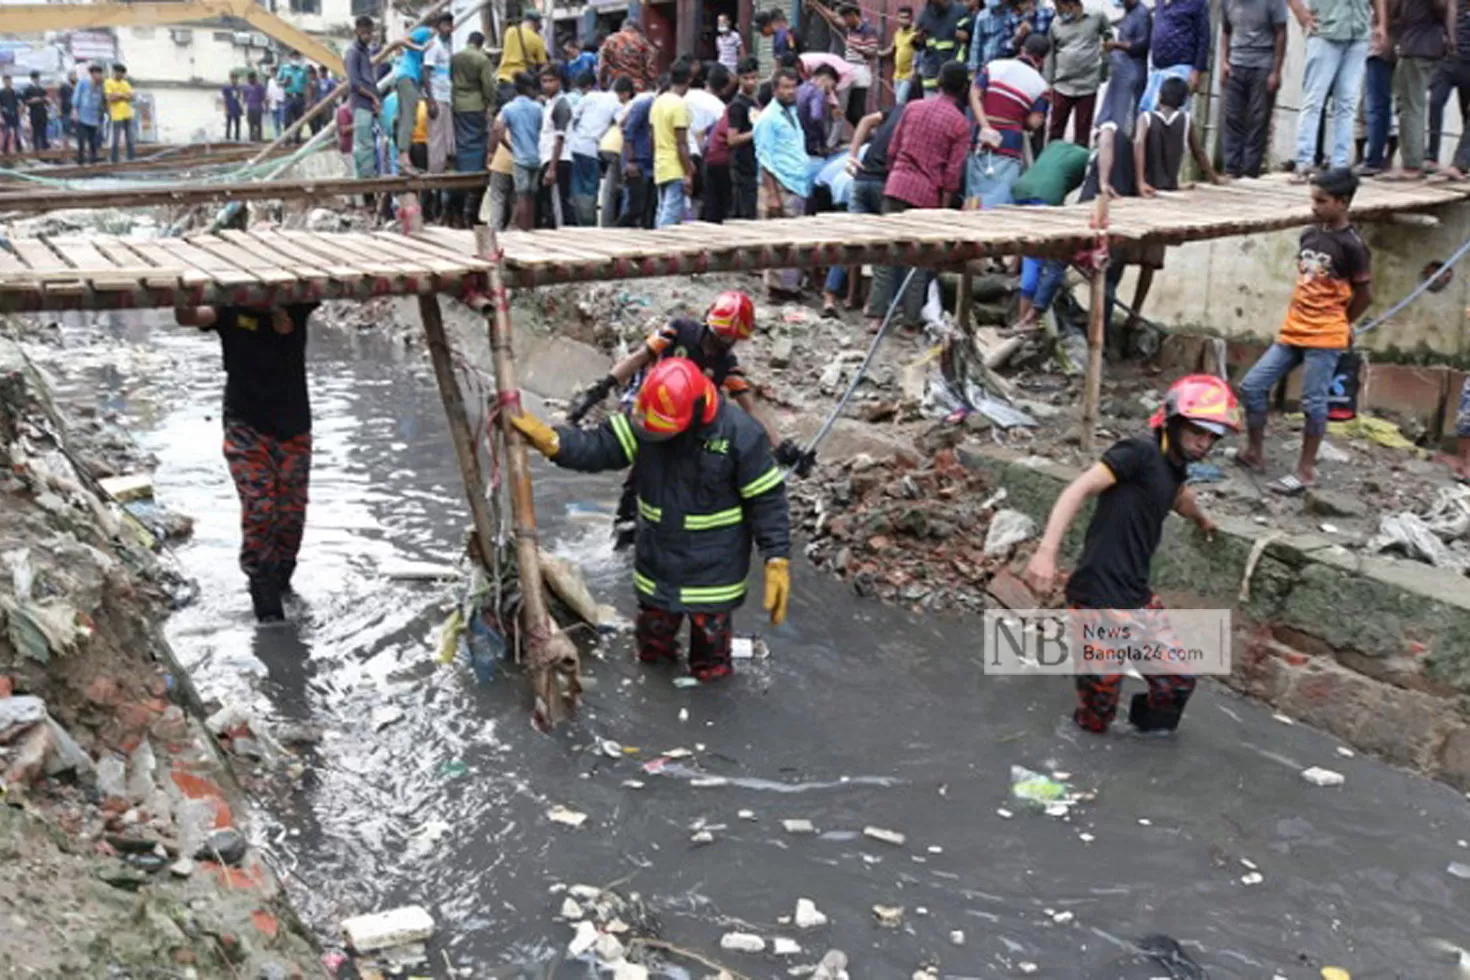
(1137, 482)
(267, 419)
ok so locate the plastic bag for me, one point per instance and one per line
(1035, 787)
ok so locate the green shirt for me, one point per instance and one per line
(472, 80)
(1342, 20)
(1055, 174)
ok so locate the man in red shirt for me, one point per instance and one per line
(926, 168)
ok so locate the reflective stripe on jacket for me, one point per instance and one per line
(703, 497)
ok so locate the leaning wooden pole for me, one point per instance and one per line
(459, 424)
(1096, 320)
(551, 656)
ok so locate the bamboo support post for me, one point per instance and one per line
(552, 655)
(1096, 321)
(459, 424)
(966, 301)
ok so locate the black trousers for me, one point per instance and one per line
(639, 212)
(743, 196)
(1452, 76)
(232, 128)
(1248, 106)
(40, 138)
(545, 211)
(252, 119)
(89, 143)
(717, 190)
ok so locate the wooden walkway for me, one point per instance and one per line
(175, 193)
(104, 272)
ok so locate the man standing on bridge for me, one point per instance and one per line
(1137, 483)
(707, 485)
(267, 419)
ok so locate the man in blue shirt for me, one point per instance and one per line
(409, 85)
(362, 97)
(638, 199)
(88, 105)
(518, 128)
(292, 77)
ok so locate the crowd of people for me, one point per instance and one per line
(283, 96)
(92, 111)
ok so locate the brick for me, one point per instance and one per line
(1405, 727)
(1330, 697)
(268, 924)
(1010, 591)
(7, 686)
(104, 692)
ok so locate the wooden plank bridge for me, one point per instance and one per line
(107, 272)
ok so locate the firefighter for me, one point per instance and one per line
(706, 485)
(711, 346)
(1137, 483)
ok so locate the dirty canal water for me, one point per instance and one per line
(428, 788)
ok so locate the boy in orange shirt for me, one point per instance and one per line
(1333, 288)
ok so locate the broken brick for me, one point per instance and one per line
(1010, 591)
(266, 923)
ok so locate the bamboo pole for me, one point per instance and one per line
(459, 424)
(313, 111)
(552, 654)
(966, 301)
(1096, 319)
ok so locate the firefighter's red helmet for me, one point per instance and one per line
(731, 316)
(672, 397)
(1202, 399)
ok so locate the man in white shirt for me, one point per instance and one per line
(441, 94)
(593, 116)
(705, 109)
(554, 207)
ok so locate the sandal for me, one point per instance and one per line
(1289, 485)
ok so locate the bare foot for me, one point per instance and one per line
(1250, 460)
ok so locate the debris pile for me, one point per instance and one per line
(918, 535)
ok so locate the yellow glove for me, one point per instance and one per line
(538, 433)
(778, 589)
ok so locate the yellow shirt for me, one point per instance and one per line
(669, 113)
(118, 111)
(523, 48)
(421, 124)
(903, 54)
(503, 163)
(612, 140)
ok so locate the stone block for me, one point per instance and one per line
(1453, 765)
(1406, 390)
(1405, 727)
(1330, 697)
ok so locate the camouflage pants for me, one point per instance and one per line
(1097, 694)
(656, 632)
(271, 477)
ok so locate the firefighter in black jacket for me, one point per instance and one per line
(707, 485)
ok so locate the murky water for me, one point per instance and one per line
(431, 789)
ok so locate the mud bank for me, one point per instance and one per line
(124, 840)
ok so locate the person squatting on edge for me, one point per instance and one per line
(707, 485)
(1137, 482)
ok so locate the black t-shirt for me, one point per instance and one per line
(38, 109)
(265, 371)
(10, 104)
(1125, 528)
(875, 161)
(1124, 178)
(742, 158)
(683, 337)
(63, 96)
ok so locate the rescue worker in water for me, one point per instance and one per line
(707, 484)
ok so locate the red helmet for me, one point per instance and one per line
(1203, 400)
(672, 397)
(731, 316)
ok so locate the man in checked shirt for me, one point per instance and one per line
(926, 168)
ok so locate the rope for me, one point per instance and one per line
(1418, 291)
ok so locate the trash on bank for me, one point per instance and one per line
(1408, 534)
(1381, 431)
(749, 648)
(1034, 787)
(886, 836)
(382, 930)
(1008, 528)
(1318, 776)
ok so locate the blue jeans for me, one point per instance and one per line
(989, 177)
(901, 90)
(1049, 276)
(122, 131)
(1156, 79)
(1319, 364)
(836, 280)
(671, 203)
(1378, 106)
(1336, 69)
